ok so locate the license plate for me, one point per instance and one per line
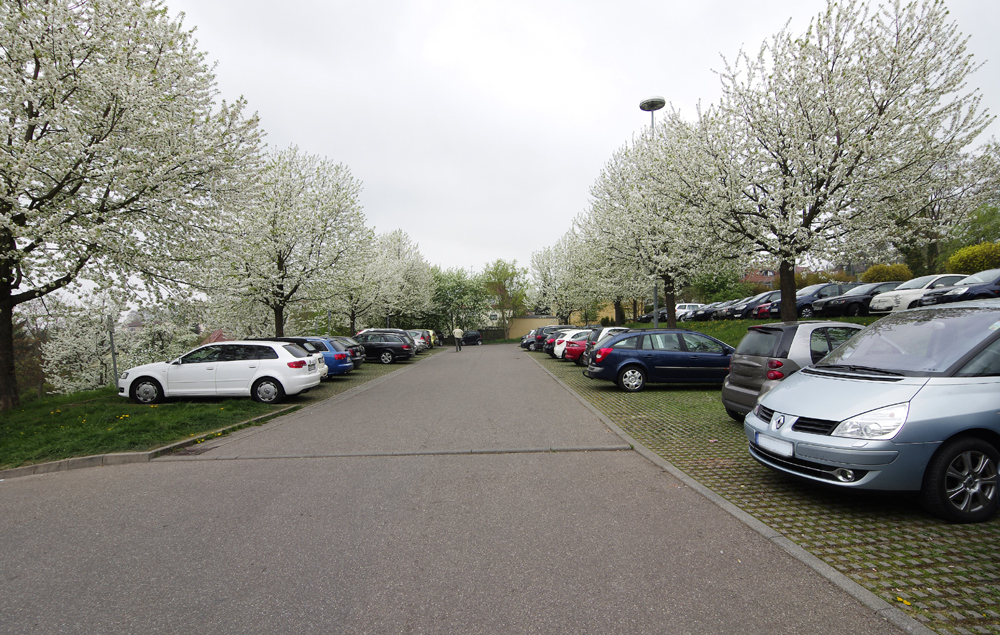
(778, 446)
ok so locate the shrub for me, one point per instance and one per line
(975, 258)
(887, 273)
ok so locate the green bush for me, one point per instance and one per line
(975, 258)
(887, 273)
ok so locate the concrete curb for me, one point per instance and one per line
(890, 613)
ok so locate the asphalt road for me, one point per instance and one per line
(467, 493)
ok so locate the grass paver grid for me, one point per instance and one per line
(947, 576)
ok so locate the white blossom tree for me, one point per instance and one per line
(410, 283)
(821, 142)
(282, 247)
(112, 141)
(646, 234)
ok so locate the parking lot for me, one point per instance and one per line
(944, 575)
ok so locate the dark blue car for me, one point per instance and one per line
(978, 286)
(634, 358)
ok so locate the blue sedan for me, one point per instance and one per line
(634, 358)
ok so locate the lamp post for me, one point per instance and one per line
(651, 105)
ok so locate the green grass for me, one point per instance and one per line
(100, 422)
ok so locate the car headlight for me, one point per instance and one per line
(883, 423)
(837, 301)
(956, 292)
(124, 375)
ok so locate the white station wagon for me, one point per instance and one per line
(265, 371)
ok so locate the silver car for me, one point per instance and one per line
(769, 353)
(912, 403)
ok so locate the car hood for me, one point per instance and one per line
(155, 367)
(835, 398)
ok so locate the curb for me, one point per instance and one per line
(890, 613)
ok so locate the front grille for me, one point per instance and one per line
(765, 414)
(814, 426)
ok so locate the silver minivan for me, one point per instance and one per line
(912, 403)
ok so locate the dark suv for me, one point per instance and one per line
(386, 347)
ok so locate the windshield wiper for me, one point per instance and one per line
(861, 369)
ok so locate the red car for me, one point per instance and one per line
(574, 351)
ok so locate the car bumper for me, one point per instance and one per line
(597, 372)
(297, 383)
(849, 463)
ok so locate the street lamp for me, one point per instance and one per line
(651, 105)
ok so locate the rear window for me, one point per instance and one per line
(758, 343)
(628, 342)
(296, 350)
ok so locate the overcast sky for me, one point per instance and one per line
(478, 127)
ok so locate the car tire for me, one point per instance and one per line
(632, 379)
(806, 312)
(579, 361)
(387, 357)
(853, 310)
(960, 483)
(913, 305)
(532, 347)
(146, 391)
(267, 390)
(479, 342)
(735, 416)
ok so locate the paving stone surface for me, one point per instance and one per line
(947, 576)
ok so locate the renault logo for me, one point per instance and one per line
(779, 421)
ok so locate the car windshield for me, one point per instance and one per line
(916, 283)
(921, 343)
(863, 289)
(978, 278)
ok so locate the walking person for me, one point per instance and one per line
(458, 333)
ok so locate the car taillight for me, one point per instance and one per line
(773, 373)
(406, 347)
(601, 354)
(560, 341)
(340, 357)
(299, 363)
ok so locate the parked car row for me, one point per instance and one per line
(835, 299)
(267, 369)
(908, 404)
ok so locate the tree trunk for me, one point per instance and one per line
(670, 301)
(786, 273)
(619, 313)
(9, 395)
(279, 321)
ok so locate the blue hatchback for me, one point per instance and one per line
(634, 358)
(336, 355)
